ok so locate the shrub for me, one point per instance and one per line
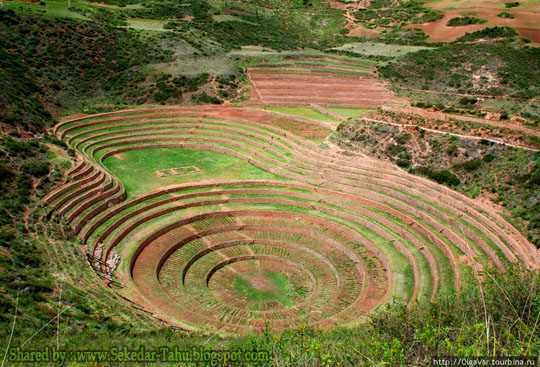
(36, 169)
(444, 176)
(489, 33)
(403, 138)
(452, 150)
(465, 101)
(394, 149)
(471, 165)
(512, 4)
(20, 148)
(6, 173)
(404, 163)
(506, 15)
(205, 98)
(463, 21)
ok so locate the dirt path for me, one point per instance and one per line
(446, 116)
(453, 134)
(467, 95)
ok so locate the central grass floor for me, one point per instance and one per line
(264, 286)
(137, 169)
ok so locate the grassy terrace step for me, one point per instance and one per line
(303, 69)
(427, 206)
(257, 200)
(242, 192)
(252, 233)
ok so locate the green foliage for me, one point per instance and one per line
(506, 15)
(463, 21)
(121, 3)
(443, 176)
(403, 138)
(205, 98)
(451, 67)
(511, 4)
(384, 13)
(470, 165)
(394, 149)
(489, 33)
(6, 173)
(301, 24)
(452, 150)
(59, 62)
(396, 335)
(20, 148)
(36, 169)
(404, 36)
(467, 101)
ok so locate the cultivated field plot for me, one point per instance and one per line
(303, 81)
(524, 22)
(283, 233)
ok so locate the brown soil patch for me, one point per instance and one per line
(360, 31)
(234, 11)
(259, 282)
(74, 116)
(525, 23)
(339, 5)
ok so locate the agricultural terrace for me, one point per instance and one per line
(298, 80)
(226, 219)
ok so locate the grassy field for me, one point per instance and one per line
(278, 288)
(146, 24)
(305, 112)
(137, 169)
(349, 112)
(55, 8)
(379, 49)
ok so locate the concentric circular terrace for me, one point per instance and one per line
(284, 233)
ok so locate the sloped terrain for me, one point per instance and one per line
(351, 233)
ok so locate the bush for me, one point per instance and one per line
(506, 15)
(403, 138)
(466, 101)
(6, 238)
(20, 148)
(394, 149)
(205, 98)
(444, 176)
(463, 21)
(36, 169)
(471, 165)
(6, 173)
(452, 150)
(489, 33)
(512, 4)
(404, 163)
